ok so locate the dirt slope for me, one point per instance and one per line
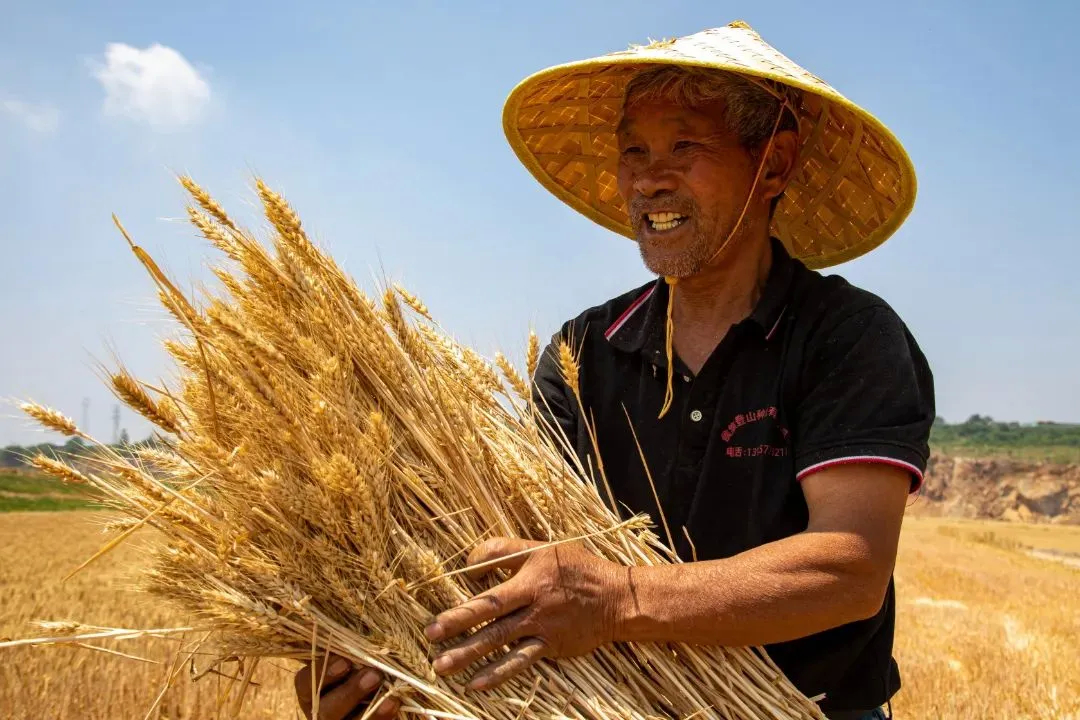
(1002, 489)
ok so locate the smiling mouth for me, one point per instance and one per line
(664, 221)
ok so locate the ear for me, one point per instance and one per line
(780, 165)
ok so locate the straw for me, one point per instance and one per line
(327, 461)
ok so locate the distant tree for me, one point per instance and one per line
(11, 456)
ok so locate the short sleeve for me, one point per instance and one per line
(867, 397)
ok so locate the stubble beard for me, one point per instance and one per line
(702, 249)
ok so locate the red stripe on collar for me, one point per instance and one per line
(776, 324)
(615, 326)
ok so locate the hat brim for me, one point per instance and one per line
(855, 184)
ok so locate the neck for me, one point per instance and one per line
(720, 295)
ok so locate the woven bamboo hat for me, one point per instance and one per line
(854, 187)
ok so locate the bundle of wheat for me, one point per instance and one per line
(327, 461)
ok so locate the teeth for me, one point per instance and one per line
(665, 220)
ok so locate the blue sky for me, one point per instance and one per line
(381, 123)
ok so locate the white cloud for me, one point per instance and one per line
(157, 86)
(39, 118)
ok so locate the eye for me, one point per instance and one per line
(684, 144)
(632, 150)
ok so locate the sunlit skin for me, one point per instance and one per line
(565, 601)
(686, 160)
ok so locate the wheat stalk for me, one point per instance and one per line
(413, 302)
(59, 470)
(568, 366)
(532, 354)
(512, 377)
(131, 392)
(52, 419)
(332, 466)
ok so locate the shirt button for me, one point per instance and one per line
(696, 416)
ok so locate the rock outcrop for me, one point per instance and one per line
(1003, 489)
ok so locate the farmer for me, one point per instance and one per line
(784, 415)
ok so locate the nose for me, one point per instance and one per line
(654, 180)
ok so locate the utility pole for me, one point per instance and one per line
(116, 424)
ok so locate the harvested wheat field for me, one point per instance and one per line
(985, 630)
(36, 551)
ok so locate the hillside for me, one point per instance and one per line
(1000, 488)
(982, 468)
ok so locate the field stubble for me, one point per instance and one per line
(36, 551)
(984, 630)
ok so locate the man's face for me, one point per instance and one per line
(685, 178)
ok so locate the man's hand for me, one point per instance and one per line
(562, 601)
(346, 691)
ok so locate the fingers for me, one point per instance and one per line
(387, 710)
(519, 659)
(342, 687)
(485, 607)
(339, 703)
(494, 550)
(481, 644)
(312, 677)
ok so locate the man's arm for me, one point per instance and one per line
(835, 572)
(564, 601)
(861, 428)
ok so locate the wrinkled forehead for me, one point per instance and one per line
(670, 114)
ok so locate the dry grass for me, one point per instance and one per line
(36, 551)
(332, 458)
(1010, 535)
(984, 630)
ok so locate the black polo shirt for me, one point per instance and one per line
(821, 373)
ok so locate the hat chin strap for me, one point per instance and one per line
(671, 280)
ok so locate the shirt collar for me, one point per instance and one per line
(772, 305)
(641, 326)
